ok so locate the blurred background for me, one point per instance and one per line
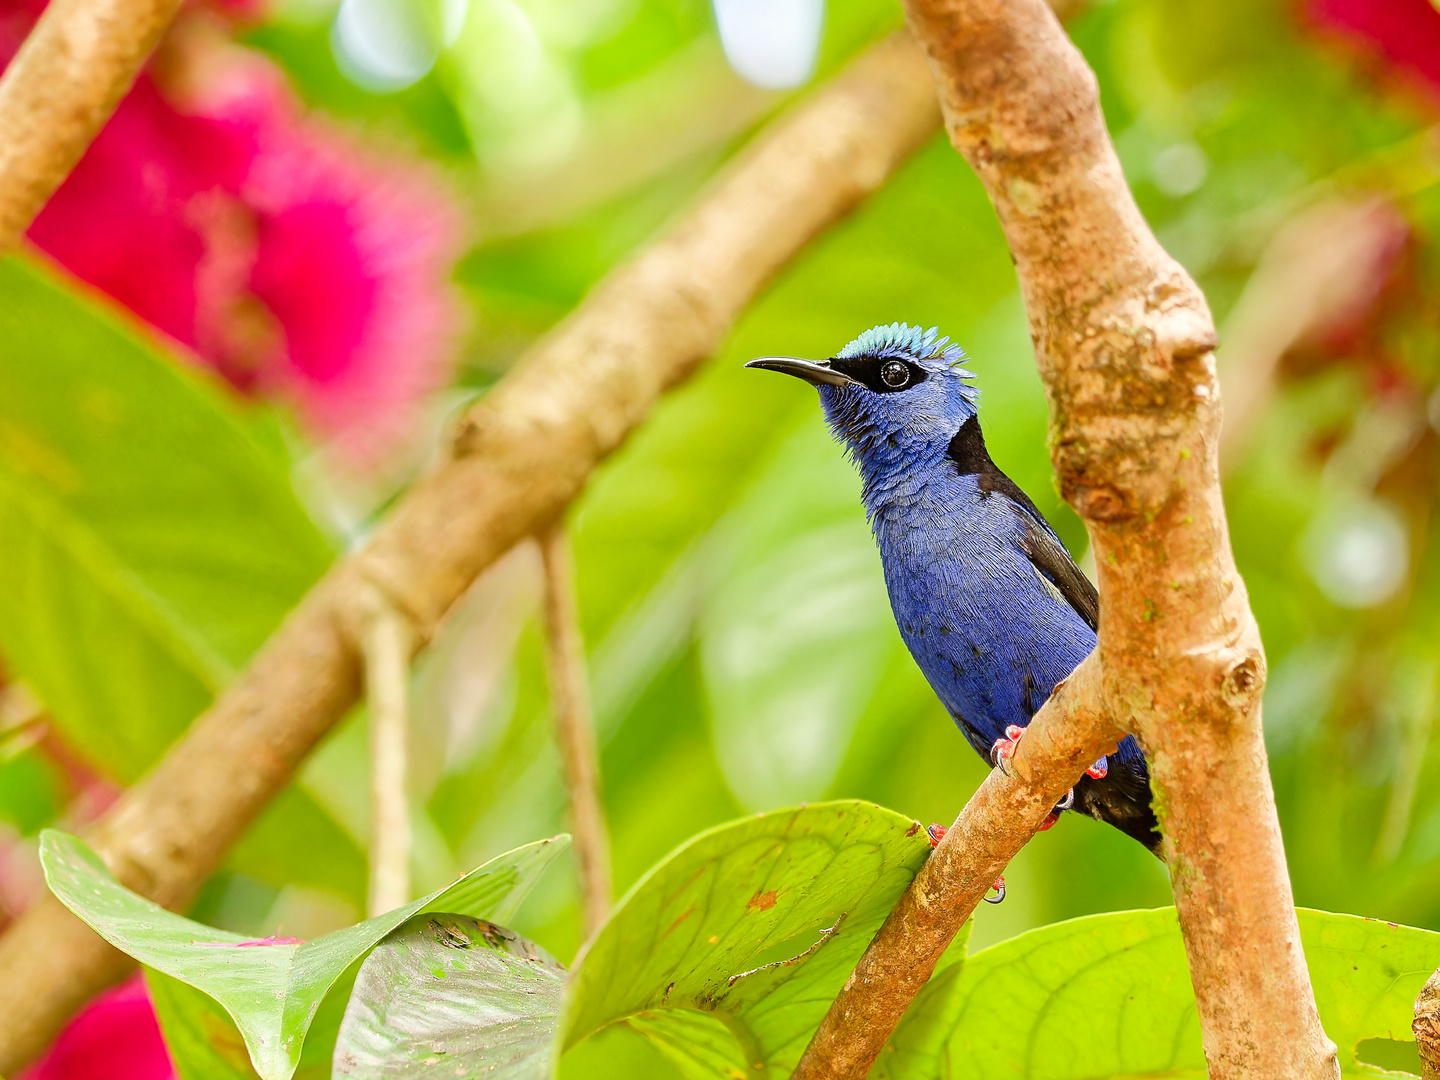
(341, 222)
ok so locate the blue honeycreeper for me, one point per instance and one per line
(989, 602)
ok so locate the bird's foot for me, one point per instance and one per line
(1004, 749)
(937, 833)
(1064, 804)
(1099, 769)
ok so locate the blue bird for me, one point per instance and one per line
(988, 601)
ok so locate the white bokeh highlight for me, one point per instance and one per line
(771, 43)
(1358, 552)
(387, 45)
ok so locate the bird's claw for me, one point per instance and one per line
(1099, 769)
(936, 833)
(1004, 749)
(1064, 804)
(999, 888)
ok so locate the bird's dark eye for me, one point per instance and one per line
(895, 374)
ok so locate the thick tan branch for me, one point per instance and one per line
(387, 645)
(520, 455)
(574, 727)
(1066, 735)
(63, 84)
(1125, 343)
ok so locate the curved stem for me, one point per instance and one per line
(574, 726)
(387, 644)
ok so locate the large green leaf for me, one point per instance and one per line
(452, 990)
(203, 1041)
(271, 990)
(1110, 995)
(756, 923)
(150, 546)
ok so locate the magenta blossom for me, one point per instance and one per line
(261, 240)
(1404, 34)
(116, 1037)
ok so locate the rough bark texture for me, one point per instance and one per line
(387, 646)
(574, 726)
(1125, 343)
(1066, 735)
(519, 456)
(1427, 1027)
(63, 84)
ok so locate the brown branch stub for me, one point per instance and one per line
(1427, 1027)
(574, 726)
(1066, 735)
(64, 83)
(521, 454)
(387, 644)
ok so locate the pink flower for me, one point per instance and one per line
(1404, 34)
(279, 253)
(116, 1037)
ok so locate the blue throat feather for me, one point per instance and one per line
(988, 601)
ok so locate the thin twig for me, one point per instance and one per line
(520, 455)
(574, 726)
(64, 83)
(1125, 344)
(1065, 736)
(387, 645)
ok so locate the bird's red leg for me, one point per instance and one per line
(1004, 749)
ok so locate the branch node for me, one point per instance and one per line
(1104, 502)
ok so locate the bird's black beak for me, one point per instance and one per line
(814, 372)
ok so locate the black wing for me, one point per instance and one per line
(1054, 562)
(1039, 542)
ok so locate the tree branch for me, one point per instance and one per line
(78, 62)
(1427, 1027)
(387, 646)
(574, 726)
(1124, 343)
(519, 456)
(1068, 734)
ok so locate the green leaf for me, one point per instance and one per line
(150, 545)
(203, 1041)
(271, 990)
(1366, 974)
(757, 924)
(453, 990)
(1110, 995)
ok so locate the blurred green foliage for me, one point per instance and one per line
(742, 656)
